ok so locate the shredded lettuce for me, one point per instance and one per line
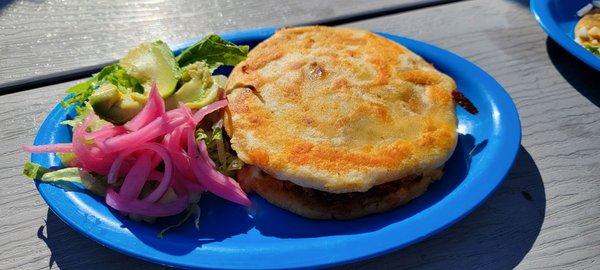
(79, 93)
(113, 74)
(82, 112)
(594, 49)
(234, 163)
(117, 75)
(218, 149)
(66, 158)
(220, 144)
(66, 175)
(192, 209)
(215, 51)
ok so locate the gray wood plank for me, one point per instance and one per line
(38, 38)
(545, 215)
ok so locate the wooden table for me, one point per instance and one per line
(545, 215)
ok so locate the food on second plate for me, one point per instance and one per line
(339, 123)
(587, 30)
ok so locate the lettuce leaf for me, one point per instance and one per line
(117, 75)
(113, 74)
(64, 176)
(215, 51)
(34, 170)
(79, 93)
(81, 113)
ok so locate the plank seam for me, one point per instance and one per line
(84, 72)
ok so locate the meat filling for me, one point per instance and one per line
(250, 176)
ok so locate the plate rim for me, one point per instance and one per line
(543, 15)
(509, 113)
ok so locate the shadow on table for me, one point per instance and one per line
(524, 3)
(496, 236)
(581, 76)
(71, 250)
(4, 4)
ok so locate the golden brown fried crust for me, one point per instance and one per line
(316, 204)
(339, 109)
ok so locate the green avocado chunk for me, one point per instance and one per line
(209, 95)
(115, 106)
(153, 62)
(198, 89)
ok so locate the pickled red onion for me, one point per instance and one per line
(185, 111)
(180, 158)
(90, 159)
(215, 182)
(160, 126)
(105, 133)
(153, 108)
(135, 150)
(199, 115)
(135, 179)
(57, 148)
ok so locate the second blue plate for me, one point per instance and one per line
(558, 18)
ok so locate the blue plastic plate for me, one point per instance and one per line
(558, 18)
(230, 237)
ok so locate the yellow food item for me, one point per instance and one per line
(587, 30)
(339, 110)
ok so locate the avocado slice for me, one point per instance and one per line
(195, 95)
(153, 62)
(210, 94)
(115, 106)
(199, 88)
